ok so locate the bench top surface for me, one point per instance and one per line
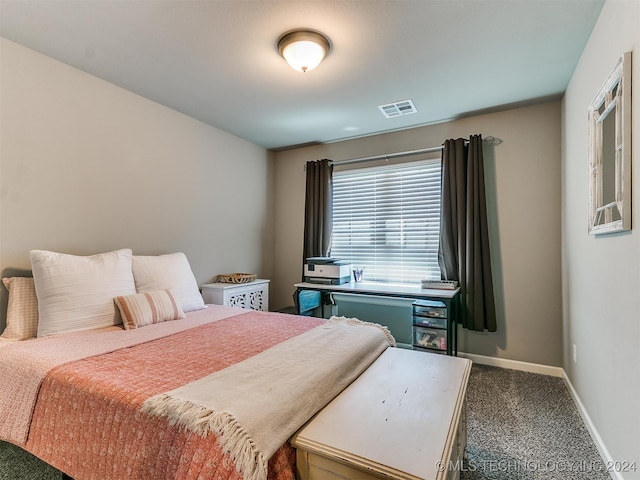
(398, 418)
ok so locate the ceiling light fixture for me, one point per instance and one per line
(304, 49)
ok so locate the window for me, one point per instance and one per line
(387, 219)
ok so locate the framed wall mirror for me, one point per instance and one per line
(610, 152)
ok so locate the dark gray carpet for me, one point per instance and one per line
(16, 464)
(521, 426)
(524, 426)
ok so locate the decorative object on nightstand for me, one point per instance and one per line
(237, 277)
(252, 295)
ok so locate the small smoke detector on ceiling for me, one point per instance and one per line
(397, 109)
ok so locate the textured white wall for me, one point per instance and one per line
(88, 167)
(523, 190)
(601, 275)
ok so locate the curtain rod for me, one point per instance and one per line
(408, 153)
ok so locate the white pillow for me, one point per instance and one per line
(76, 293)
(170, 271)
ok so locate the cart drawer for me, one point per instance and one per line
(430, 338)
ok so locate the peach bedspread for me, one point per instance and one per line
(87, 420)
(25, 364)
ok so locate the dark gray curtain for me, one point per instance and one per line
(463, 252)
(318, 209)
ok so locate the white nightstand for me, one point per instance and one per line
(253, 295)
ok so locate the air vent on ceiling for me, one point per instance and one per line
(397, 109)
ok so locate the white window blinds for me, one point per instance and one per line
(387, 219)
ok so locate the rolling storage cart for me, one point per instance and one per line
(433, 327)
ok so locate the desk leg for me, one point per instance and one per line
(453, 307)
(297, 301)
(454, 324)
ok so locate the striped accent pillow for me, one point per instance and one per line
(148, 308)
(22, 309)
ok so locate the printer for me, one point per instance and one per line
(327, 270)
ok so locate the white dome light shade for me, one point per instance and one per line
(303, 49)
(303, 55)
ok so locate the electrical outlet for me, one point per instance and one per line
(575, 354)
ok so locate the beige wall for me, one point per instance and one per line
(523, 189)
(601, 275)
(87, 167)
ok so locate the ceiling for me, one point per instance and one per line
(217, 61)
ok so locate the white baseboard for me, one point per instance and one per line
(595, 436)
(514, 364)
(555, 372)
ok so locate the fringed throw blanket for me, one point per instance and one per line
(256, 405)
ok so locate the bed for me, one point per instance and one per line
(113, 368)
(87, 418)
(123, 401)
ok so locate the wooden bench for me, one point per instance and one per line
(403, 418)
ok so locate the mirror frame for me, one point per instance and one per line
(613, 98)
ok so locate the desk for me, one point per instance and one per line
(450, 298)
